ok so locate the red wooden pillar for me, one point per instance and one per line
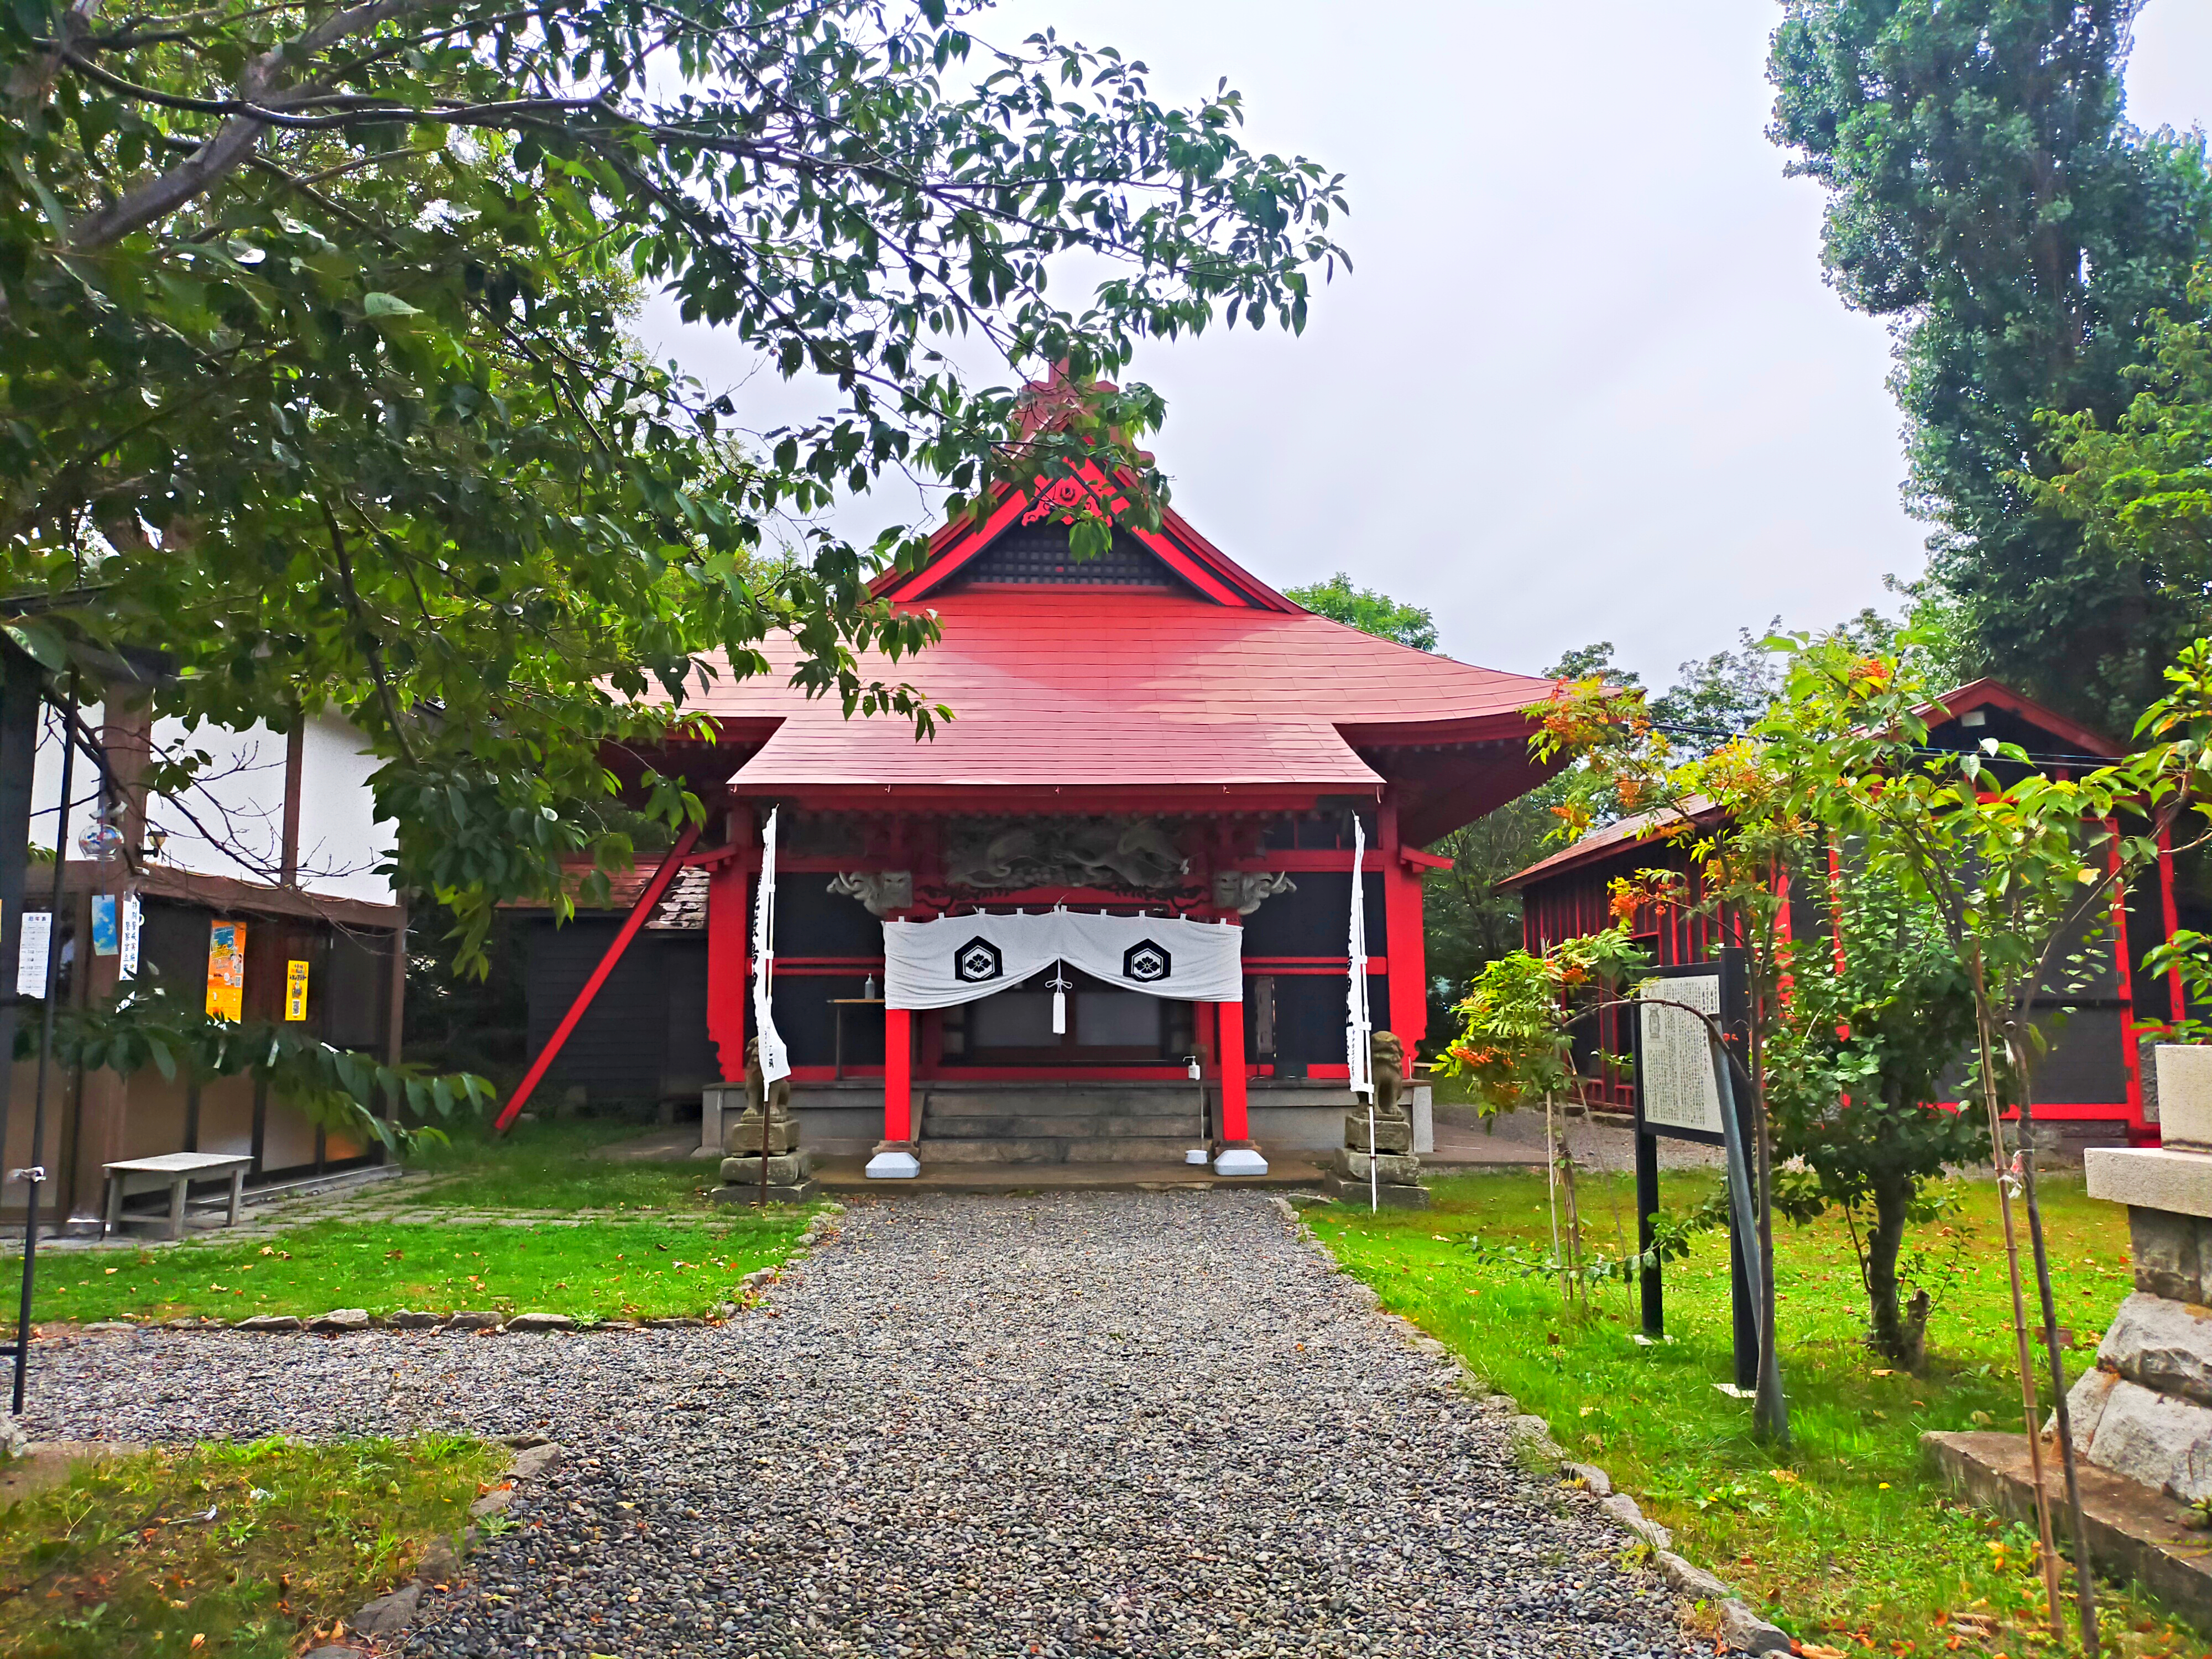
(895, 1159)
(729, 965)
(1402, 944)
(2169, 913)
(899, 1074)
(2139, 1127)
(1229, 1045)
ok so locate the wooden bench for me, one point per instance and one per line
(176, 1171)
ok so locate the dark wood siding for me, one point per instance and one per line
(644, 1037)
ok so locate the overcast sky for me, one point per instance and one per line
(1586, 382)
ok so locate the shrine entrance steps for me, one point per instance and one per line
(1030, 1123)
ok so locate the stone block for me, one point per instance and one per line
(541, 1322)
(473, 1319)
(787, 1170)
(2159, 1441)
(1402, 1167)
(1391, 1134)
(1744, 1632)
(2150, 1177)
(268, 1322)
(741, 1139)
(2171, 1253)
(2134, 1532)
(2084, 1404)
(2185, 1095)
(2164, 1345)
(410, 1319)
(340, 1321)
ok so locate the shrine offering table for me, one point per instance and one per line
(176, 1171)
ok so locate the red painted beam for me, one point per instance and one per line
(652, 896)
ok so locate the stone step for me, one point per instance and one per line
(1059, 1149)
(1059, 1101)
(1020, 1126)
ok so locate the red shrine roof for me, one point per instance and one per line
(1165, 667)
(2004, 714)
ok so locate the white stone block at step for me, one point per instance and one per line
(1240, 1161)
(893, 1166)
(2164, 1346)
(2185, 1094)
(2151, 1178)
(2162, 1441)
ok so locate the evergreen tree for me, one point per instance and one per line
(1986, 191)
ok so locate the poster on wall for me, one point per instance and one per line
(295, 990)
(106, 926)
(134, 915)
(31, 953)
(225, 976)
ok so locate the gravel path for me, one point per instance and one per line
(1124, 1423)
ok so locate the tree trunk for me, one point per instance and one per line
(1898, 1334)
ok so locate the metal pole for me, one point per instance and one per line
(35, 1175)
(1647, 1209)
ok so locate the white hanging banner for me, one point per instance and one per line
(1359, 1023)
(31, 953)
(956, 959)
(133, 918)
(774, 1058)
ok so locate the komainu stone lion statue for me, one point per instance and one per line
(1387, 1058)
(778, 1094)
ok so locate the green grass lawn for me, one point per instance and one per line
(643, 1269)
(657, 1249)
(555, 1166)
(125, 1562)
(1846, 1540)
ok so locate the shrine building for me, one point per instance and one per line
(1153, 745)
(2090, 1081)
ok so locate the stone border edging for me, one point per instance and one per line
(346, 1321)
(1741, 1629)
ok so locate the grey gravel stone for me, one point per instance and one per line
(1085, 1425)
(531, 1461)
(387, 1615)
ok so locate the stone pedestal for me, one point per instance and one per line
(2145, 1411)
(743, 1138)
(1387, 1157)
(894, 1160)
(790, 1166)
